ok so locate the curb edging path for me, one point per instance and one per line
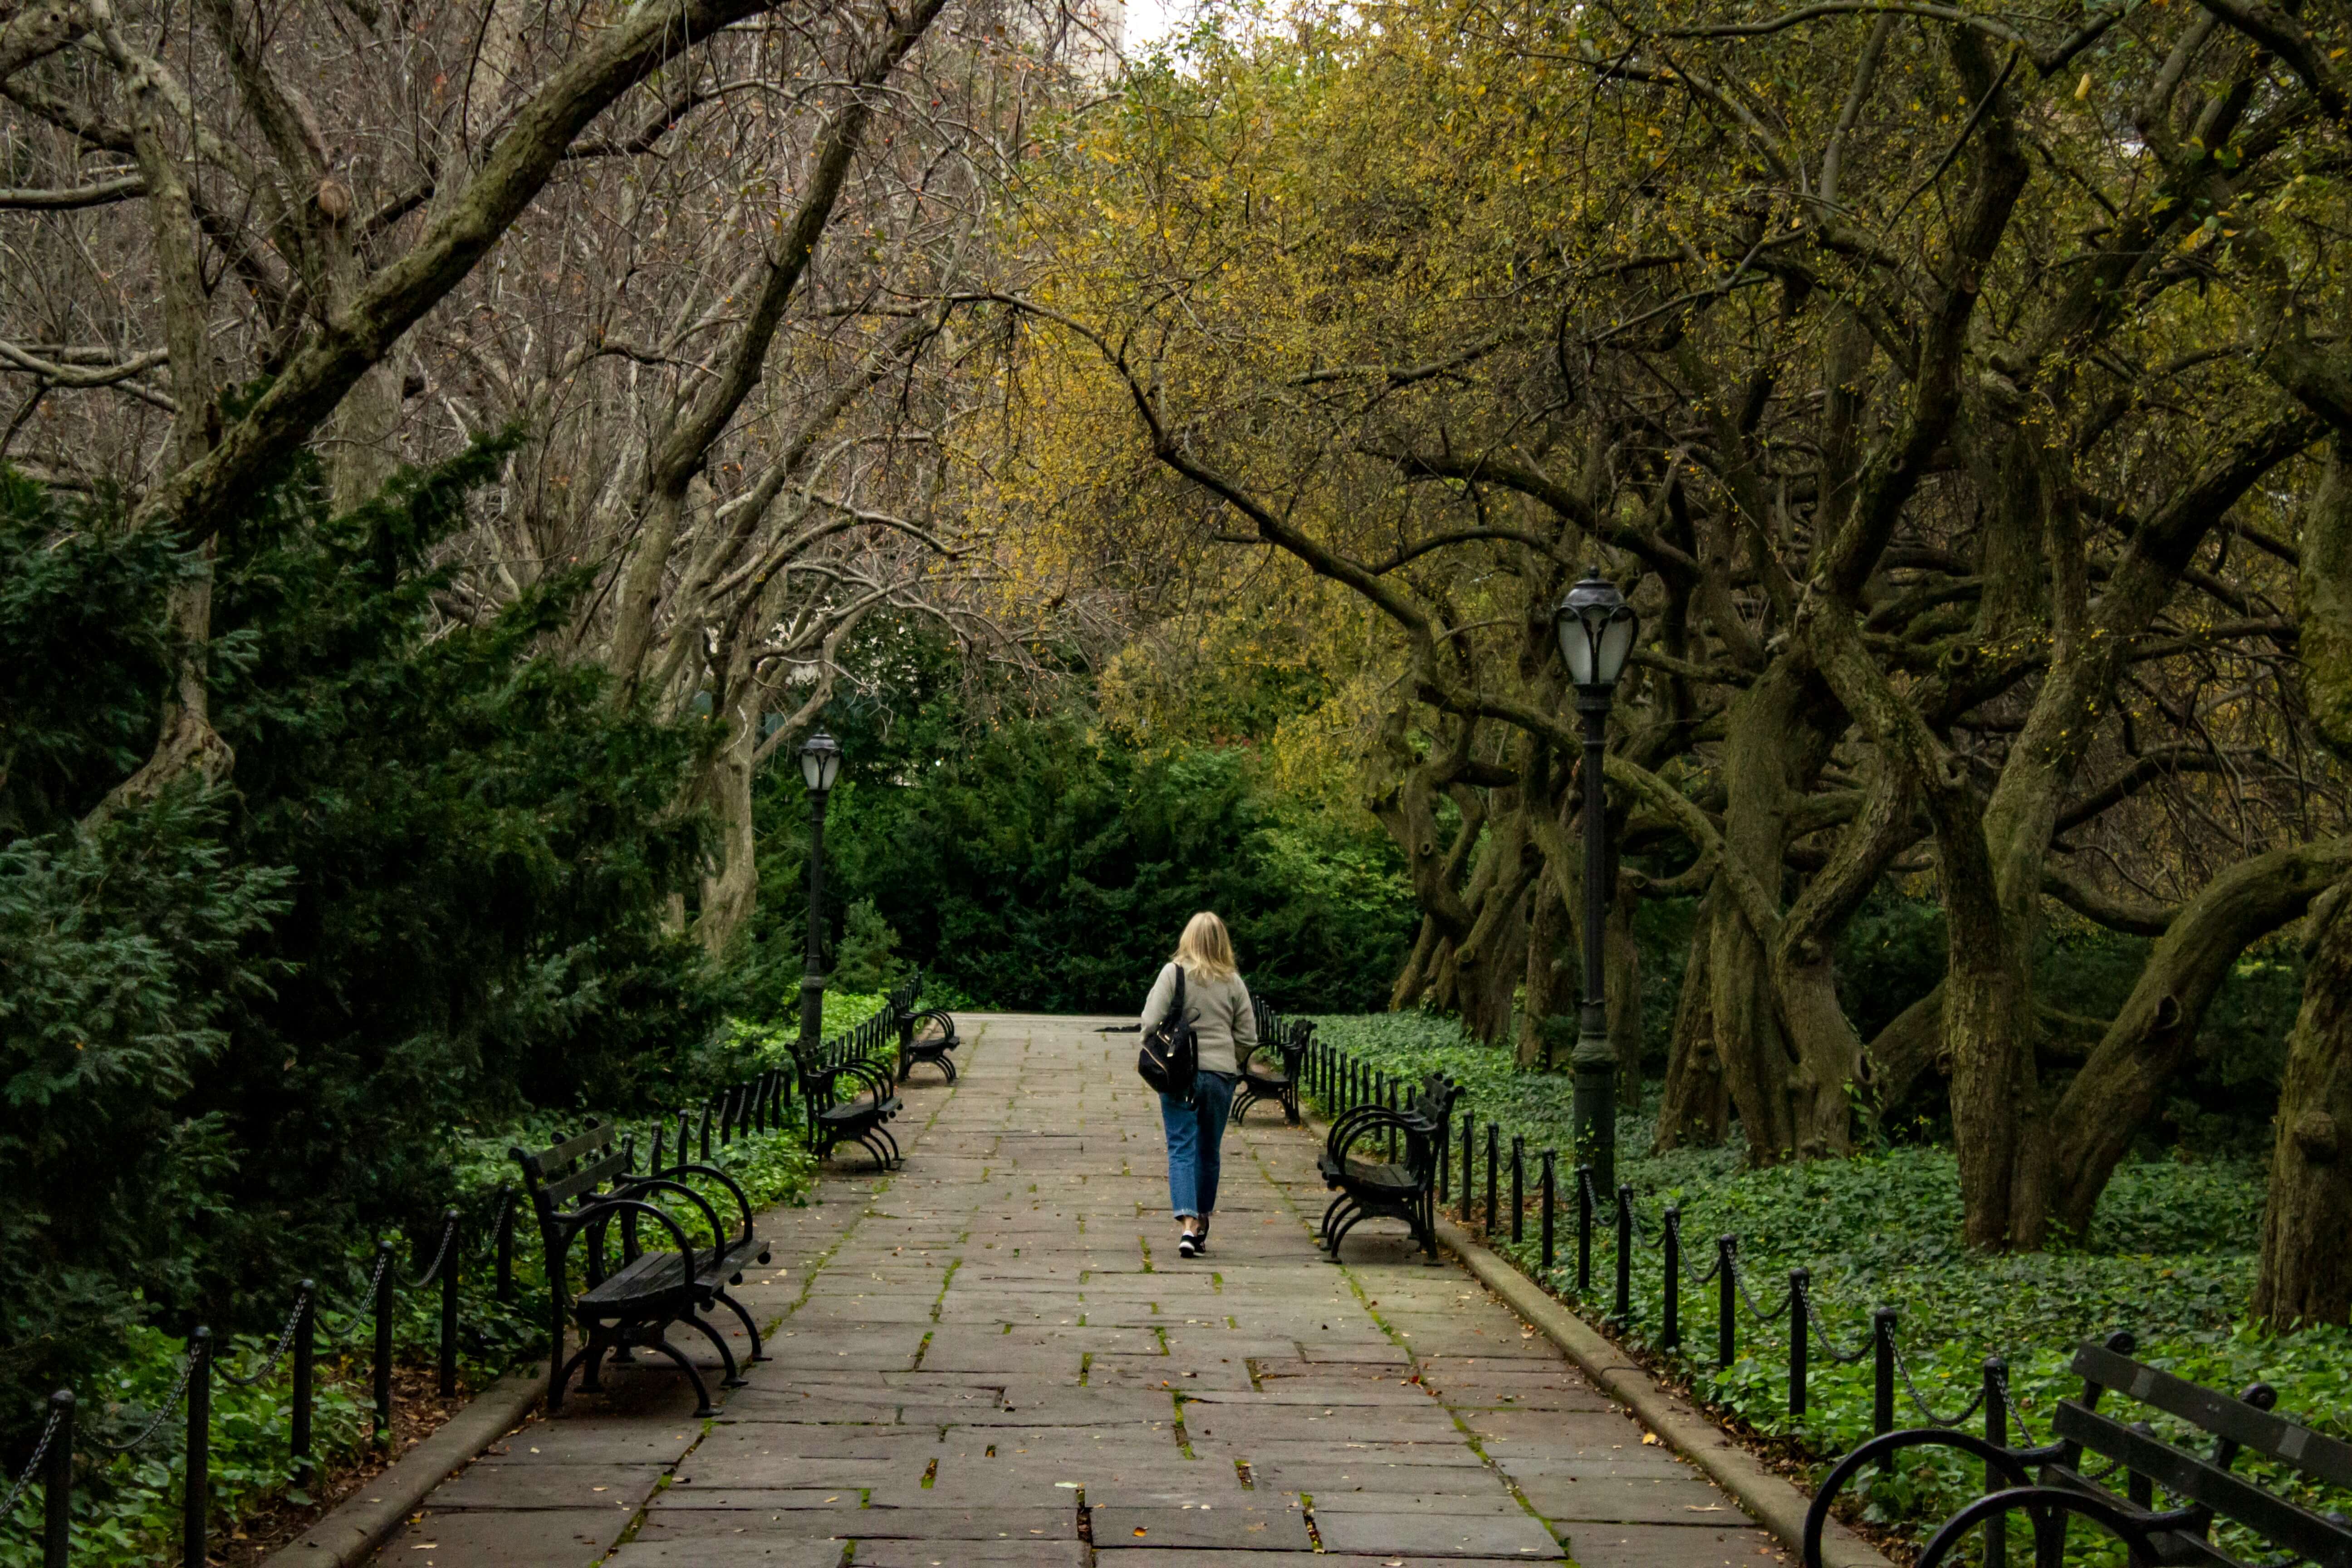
(1776, 1505)
(352, 1531)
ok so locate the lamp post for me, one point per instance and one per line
(1596, 629)
(820, 765)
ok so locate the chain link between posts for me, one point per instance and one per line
(1829, 1345)
(2001, 1380)
(1740, 1283)
(285, 1340)
(375, 1282)
(433, 1269)
(1919, 1401)
(40, 1452)
(163, 1414)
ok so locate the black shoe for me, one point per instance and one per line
(1188, 1245)
(1201, 1237)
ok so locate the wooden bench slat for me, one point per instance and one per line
(2200, 1482)
(569, 1149)
(565, 1188)
(2322, 1458)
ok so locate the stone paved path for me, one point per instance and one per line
(995, 1356)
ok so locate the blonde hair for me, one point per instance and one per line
(1205, 949)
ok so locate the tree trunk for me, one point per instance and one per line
(2307, 1275)
(1829, 1066)
(1413, 978)
(1910, 1045)
(1498, 884)
(1623, 989)
(2150, 1039)
(1541, 989)
(1693, 1107)
(731, 891)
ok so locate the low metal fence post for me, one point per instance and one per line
(1996, 1409)
(1444, 1157)
(1727, 1326)
(1550, 1202)
(448, 1368)
(1584, 1230)
(705, 1155)
(57, 1486)
(1798, 1345)
(1670, 1331)
(384, 1287)
(1469, 1183)
(1882, 1367)
(306, 1330)
(1624, 1308)
(1518, 1195)
(196, 1500)
(506, 1226)
(1494, 1169)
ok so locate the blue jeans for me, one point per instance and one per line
(1196, 1127)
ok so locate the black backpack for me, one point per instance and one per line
(1170, 1056)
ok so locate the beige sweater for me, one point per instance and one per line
(1223, 1019)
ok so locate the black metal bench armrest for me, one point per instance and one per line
(2011, 1463)
(641, 1187)
(2118, 1519)
(869, 1075)
(742, 1200)
(1365, 1120)
(602, 1213)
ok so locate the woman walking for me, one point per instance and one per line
(1226, 1028)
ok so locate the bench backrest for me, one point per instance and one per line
(1424, 1116)
(1290, 1038)
(1434, 1102)
(569, 1175)
(2239, 1425)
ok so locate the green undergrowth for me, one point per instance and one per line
(2169, 1258)
(127, 1510)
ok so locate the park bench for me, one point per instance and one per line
(2201, 1488)
(926, 1037)
(848, 1099)
(1383, 1164)
(586, 1193)
(1276, 1079)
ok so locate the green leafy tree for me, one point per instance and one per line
(241, 1029)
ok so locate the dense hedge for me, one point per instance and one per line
(1037, 861)
(240, 1025)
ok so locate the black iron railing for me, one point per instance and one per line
(1338, 1082)
(757, 1104)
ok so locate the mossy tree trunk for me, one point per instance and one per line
(2307, 1273)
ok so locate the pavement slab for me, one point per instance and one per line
(994, 1355)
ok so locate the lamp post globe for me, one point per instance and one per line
(1596, 629)
(820, 761)
(819, 766)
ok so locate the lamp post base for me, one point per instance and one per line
(1594, 1111)
(812, 1010)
